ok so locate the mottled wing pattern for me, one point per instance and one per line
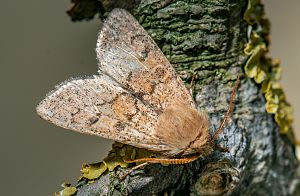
(129, 55)
(99, 106)
(125, 102)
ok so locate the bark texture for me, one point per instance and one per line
(207, 38)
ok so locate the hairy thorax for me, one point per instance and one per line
(183, 128)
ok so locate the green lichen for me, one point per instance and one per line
(263, 69)
(192, 35)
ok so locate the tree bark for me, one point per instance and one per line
(208, 38)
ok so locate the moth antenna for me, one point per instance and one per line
(148, 161)
(132, 170)
(229, 110)
(165, 160)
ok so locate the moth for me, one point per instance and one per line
(136, 99)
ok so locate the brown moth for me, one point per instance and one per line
(136, 99)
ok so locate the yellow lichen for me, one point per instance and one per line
(249, 14)
(67, 191)
(264, 70)
(115, 158)
(92, 171)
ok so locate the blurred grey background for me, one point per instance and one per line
(39, 48)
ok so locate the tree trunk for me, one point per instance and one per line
(208, 38)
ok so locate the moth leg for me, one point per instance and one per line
(229, 110)
(132, 170)
(165, 161)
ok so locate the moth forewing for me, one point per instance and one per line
(136, 99)
(128, 54)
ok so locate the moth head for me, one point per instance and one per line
(199, 147)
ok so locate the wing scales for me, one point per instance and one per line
(98, 106)
(136, 84)
(127, 53)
